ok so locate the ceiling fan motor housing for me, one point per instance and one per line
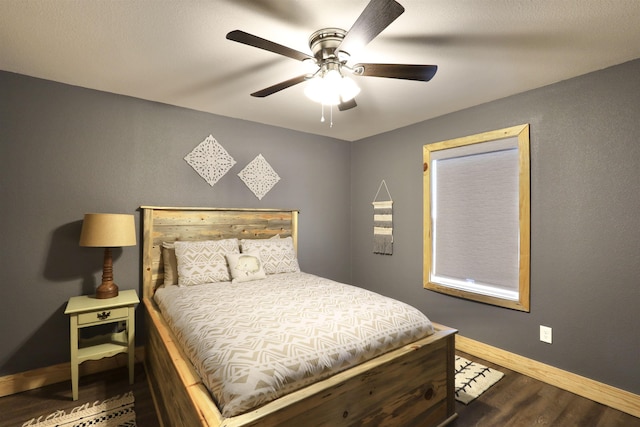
(323, 43)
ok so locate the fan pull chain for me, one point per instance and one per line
(331, 114)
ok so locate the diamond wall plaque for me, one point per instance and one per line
(259, 176)
(210, 160)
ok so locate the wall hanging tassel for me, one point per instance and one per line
(383, 223)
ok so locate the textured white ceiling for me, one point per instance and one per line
(175, 52)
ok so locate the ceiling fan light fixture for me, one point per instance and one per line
(316, 90)
(331, 88)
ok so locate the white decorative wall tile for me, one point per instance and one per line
(210, 160)
(259, 176)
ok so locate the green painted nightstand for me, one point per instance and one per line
(86, 311)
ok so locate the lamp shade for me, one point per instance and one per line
(108, 230)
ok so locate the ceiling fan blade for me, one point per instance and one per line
(255, 41)
(377, 16)
(397, 71)
(347, 105)
(278, 87)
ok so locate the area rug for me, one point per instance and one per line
(114, 412)
(473, 379)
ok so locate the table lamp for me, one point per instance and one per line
(107, 231)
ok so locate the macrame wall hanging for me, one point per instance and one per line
(210, 160)
(383, 223)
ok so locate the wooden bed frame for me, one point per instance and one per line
(410, 386)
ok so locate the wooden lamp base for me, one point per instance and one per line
(107, 288)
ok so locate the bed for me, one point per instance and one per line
(409, 386)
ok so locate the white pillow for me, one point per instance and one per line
(245, 267)
(204, 261)
(277, 255)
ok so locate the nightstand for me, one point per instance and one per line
(86, 311)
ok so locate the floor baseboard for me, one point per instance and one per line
(36, 378)
(613, 397)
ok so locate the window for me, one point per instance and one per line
(477, 217)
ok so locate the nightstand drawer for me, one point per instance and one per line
(106, 316)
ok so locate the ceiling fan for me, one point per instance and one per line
(329, 83)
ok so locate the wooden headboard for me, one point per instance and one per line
(168, 224)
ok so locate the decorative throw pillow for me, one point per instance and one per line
(245, 267)
(170, 264)
(204, 261)
(277, 255)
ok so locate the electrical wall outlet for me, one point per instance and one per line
(545, 334)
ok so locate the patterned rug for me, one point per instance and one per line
(114, 412)
(473, 379)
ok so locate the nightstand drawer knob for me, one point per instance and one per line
(104, 315)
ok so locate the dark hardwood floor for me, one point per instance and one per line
(21, 407)
(516, 400)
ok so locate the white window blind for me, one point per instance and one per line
(475, 217)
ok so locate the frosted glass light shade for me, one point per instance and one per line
(108, 230)
(348, 89)
(331, 88)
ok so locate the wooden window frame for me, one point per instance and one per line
(520, 132)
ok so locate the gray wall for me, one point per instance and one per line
(65, 151)
(585, 223)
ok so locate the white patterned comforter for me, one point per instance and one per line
(255, 341)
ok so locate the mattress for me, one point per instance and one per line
(253, 342)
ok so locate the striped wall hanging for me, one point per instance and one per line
(383, 223)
